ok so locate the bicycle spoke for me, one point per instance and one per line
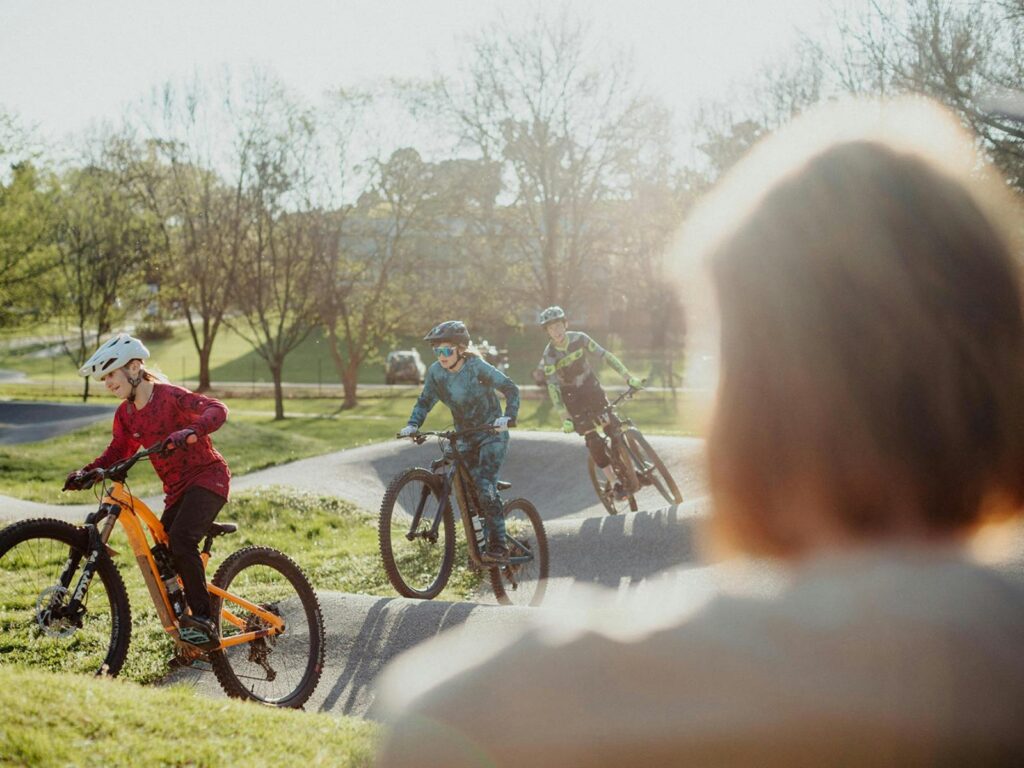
(32, 598)
(525, 582)
(416, 536)
(280, 669)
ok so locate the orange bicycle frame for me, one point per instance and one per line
(133, 516)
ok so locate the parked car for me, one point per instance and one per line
(496, 357)
(404, 365)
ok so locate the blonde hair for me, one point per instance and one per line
(148, 374)
(872, 336)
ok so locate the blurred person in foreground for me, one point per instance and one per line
(869, 425)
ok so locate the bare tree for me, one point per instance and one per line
(290, 238)
(960, 53)
(558, 122)
(191, 170)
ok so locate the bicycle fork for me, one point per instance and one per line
(431, 534)
(75, 609)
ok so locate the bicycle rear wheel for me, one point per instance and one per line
(282, 670)
(418, 561)
(36, 630)
(522, 583)
(650, 469)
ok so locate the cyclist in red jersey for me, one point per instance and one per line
(195, 476)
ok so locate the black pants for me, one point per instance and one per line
(186, 522)
(585, 405)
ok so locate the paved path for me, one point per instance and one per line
(588, 549)
(546, 467)
(28, 422)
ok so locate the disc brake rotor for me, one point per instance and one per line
(48, 606)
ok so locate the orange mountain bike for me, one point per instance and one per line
(272, 633)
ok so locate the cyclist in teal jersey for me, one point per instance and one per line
(574, 387)
(467, 385)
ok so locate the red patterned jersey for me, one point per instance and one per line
(172, 408)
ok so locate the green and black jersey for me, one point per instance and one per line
(567, 366)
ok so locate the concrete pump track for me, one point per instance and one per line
(587, 548)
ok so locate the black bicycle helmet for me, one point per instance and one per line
(453, 331)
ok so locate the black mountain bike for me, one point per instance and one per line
(417, 530)
(636, 464)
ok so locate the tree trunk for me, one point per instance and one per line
(275, 371)
(348, 370)
(349, 383)
(204, 371)
(85, 390)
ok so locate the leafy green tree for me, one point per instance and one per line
(26, 254)
(103, 240)
(392, 264)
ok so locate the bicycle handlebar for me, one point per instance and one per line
(449, 434)
(627, 395)
(119, 470)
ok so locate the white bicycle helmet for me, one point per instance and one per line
(114, 354)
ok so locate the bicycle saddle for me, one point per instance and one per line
(503, 485)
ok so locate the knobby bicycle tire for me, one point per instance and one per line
(230, 664)
(433, 561)
(506, 581)
(67, 535)
(670, 491)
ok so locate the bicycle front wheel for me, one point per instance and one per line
(650, 469)
(282, 670)
(417, 549)
(34, 621)
(605, 491)
(524, 580)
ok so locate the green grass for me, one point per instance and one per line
(233, 359)
(333, 541)
(252, 439)
(60, 720)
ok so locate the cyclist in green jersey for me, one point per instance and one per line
(574, 387)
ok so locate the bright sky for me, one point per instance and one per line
(64, 64)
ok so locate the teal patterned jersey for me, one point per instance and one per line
(470, 394)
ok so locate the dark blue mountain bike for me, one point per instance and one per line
(417, 529)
